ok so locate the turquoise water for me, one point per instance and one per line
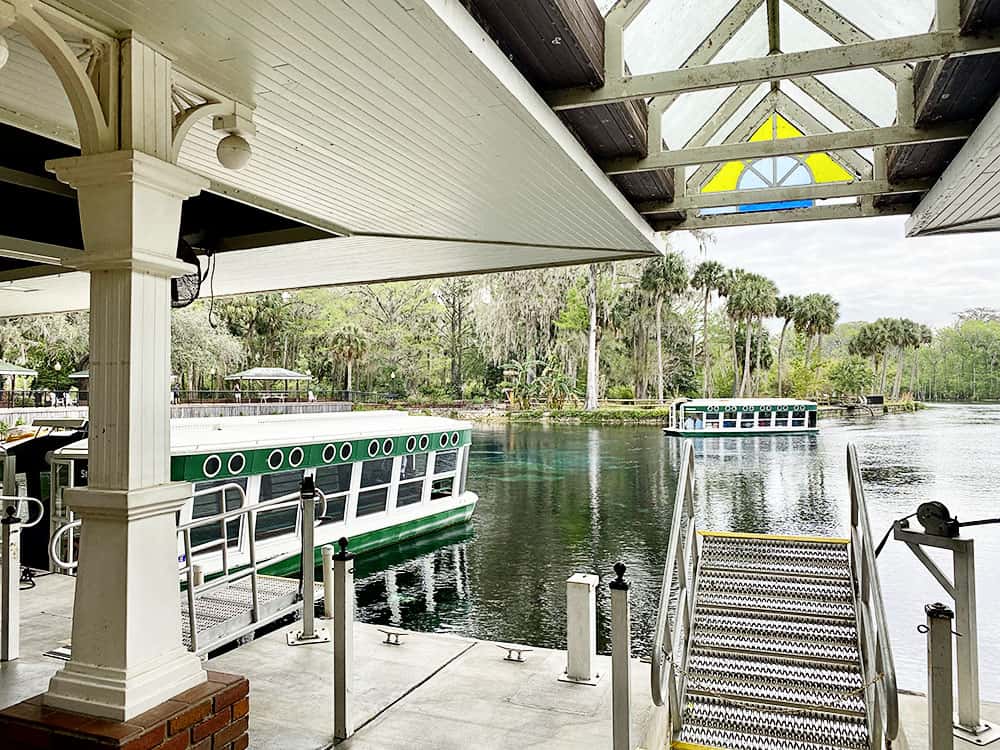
(556, 500)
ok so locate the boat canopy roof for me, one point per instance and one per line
(197, 435)
(747, 404)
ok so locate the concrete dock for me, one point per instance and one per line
(433, 691)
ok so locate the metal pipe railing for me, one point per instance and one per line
(666, 677)
(876, 651)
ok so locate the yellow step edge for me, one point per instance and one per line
(689, 746)
(777, 537)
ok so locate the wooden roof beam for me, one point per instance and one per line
(929, 46)
(860, 210)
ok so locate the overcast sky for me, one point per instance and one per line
(868, 265)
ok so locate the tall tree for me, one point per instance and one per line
(708, 278)
(455, 296)
(785, 308)
(593, 362)
(730, 287)
(349, 345)
(926, 336)
(663, 278)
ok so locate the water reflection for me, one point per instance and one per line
(556, 500)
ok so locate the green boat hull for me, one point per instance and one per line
(386, 537)
(738, 433)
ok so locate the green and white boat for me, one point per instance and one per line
(717, 417)
(384, 477)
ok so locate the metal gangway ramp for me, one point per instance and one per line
(239, 598)
(772, 642)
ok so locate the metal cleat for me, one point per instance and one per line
(392, 636)
(514, 653)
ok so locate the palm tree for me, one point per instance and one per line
(926, 337)
(892, 336)
(708, 277)
(663, 278)
(729, 287)
(349, 345)
(815, 316)
(749, 301)
(909, 338)
(763, 300)
(784, 308)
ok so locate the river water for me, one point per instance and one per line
(557, 500)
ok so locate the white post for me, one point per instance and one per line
(343, 642)
(10, 567)
(198, 575)
(309, 633)
(127, 651)
(621, 650)
(967, 652)
(939, 683)
(581, 629)
(328, 582)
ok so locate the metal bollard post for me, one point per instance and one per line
(328, 582)
(309, 633)
(939, 682)
(10, 568)
(198, 575)
(621, 650)
(581, 629)
(343, 642)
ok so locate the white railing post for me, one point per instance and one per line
(621, 651)
(309, 632)
(328, 582)
(343, 641)
(10, 568)
(581, 629)
(939, 697)
(967, 651)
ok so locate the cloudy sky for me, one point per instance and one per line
(868, 265)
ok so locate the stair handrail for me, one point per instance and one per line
(876, 651)
(665, 674)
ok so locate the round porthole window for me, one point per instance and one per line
(329, 453)
(237, 463)
(345, 451)
(275, 458)
(387, 446)
(454, 439)
(411, 444)
(424, 442)
(295, 456)
(373, 449)
(443, 440)
(212, 466)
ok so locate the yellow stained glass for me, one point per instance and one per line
(823, 168)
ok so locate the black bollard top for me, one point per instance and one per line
(938, 610)
(307, 490)
(10, 510)
(619, 584)
(343, 554)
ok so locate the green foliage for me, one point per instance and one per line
(620, 392)
(852, 376)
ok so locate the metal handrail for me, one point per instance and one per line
(876, 651)
(17, 499)
(54, 546)
(666, 677)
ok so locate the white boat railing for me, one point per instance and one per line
(673, 620)
(876, 651)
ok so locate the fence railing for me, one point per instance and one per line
(673, 619)
(876, 652)
(63, 398)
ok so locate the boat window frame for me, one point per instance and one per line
(389, 487)
(798, 421)
(331, 497)
(422, 480)
(730, 420)
(448, 474)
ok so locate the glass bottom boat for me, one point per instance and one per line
(383, 477)
(705, 417)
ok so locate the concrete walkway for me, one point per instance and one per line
(433, 691)
(913, 719)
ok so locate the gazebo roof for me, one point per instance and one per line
(79, 375)
(6, 368)
(268, 373)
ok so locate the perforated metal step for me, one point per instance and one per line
(794, 683)
(716, 723)
(810, 597)
(775, 555)
(776, 634)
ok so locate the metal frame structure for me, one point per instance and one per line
(962, 589)
(857, 50)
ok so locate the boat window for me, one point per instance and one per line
(764, 418)
(442, 488)
(445, 461)
(410, 493)
(272, 486)
(746, 419)
(798, 419)
(729, 420)
(372, 501)
(210, 504)
(413, 466)
(781, 419)
(335, 483)
(376, 472)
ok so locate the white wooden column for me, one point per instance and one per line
(127, 654)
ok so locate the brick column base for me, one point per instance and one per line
(211, 716)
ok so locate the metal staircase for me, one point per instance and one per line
(767, 641)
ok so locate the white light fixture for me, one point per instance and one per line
(4, 51)
(233, 151)
(57, 367)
